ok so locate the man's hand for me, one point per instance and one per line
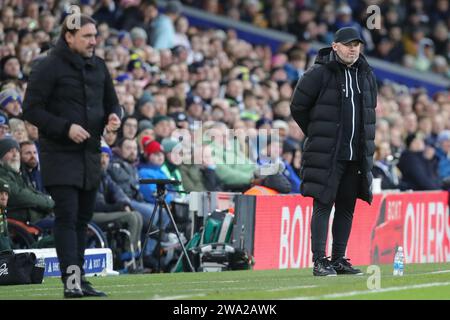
(113, 123)
(77, 134)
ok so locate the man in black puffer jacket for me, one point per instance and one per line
(334, 104)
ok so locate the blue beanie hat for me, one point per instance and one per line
(106, 149)
(9, 95)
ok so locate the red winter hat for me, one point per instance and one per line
(151, 146)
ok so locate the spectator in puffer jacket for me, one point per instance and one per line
(125, 174)
(113, 205)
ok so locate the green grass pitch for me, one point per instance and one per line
(421, 281)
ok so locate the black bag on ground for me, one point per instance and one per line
(219, 257)
(19, 268)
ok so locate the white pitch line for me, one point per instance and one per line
(437, 272)
(291, 288)
(355, 293)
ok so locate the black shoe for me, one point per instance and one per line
(343, 266)
(89, 291)
(323, 268)
(73, 292)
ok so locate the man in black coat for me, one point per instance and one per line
(334, 104)
(71, 99)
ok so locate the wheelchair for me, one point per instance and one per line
(119, 239)
(111, 235)
(28, 236)
(22, 235)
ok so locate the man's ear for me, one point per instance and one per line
(334, 46)
(69, 37)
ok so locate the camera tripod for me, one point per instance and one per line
(160, 205)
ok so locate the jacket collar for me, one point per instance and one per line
(326, 56)
(62, 49)
(148, 165)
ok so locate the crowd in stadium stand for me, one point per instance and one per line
(412, 33)
(171, 76)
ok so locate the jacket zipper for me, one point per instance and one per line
(353, 112)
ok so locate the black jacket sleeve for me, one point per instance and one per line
(41, 83)
(110, 100)
(305, 95)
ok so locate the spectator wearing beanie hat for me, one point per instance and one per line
(106, 150)
(145, 129)
(162, 127)
(137, 69)
(145, 125)
(25, 203)
(173, 161)
(113, 205)
(6, 145)
(145, 107)
(152, 169)
(11, 103)
(180, 119)
(138, 37)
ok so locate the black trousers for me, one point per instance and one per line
(73, 210)
(347, 179)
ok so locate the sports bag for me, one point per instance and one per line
(19, 268)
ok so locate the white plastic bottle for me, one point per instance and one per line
(399, 262)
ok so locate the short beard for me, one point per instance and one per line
(345, 62)
(130, 160)
(31, 165)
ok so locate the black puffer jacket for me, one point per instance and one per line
(317, 107)
(65, 89)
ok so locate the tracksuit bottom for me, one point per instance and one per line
(347, 179)
(73, 210)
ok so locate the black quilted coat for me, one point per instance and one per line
(317, 108)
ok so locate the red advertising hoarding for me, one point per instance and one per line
(419, 222)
